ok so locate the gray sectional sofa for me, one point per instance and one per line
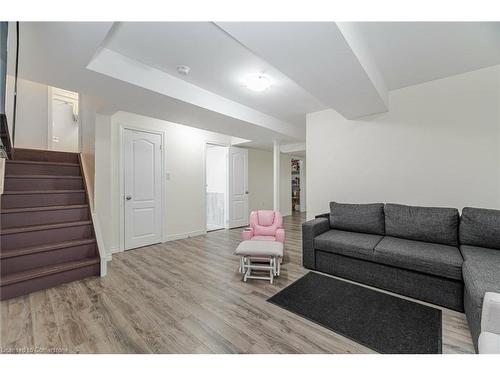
(428, 253)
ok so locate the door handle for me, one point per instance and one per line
(128, 197)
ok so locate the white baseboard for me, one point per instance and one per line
(171, 237)
(114, 249)
(103, 254)
(104, 264)
(180, 236)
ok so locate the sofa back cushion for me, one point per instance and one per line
(480, 227)
(428, 224)
(363, 218)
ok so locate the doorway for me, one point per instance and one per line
(298, 186)
(226, 187)
(216, 186)
(63, 131)
(143, 188)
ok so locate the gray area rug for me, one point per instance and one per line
(382, 322)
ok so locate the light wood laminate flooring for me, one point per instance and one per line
(184, 296)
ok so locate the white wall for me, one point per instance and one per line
(438, 145)
(260, 181)
(102, 183)
(31, 114)
(88, 107)
(286, 185)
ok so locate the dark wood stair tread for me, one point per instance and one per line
(44, 176)
(49, 237)
(34, 228)
(21, 150)
(46, 271)
(43, 163)
(46, 247)
(42, 208)
(54, 191)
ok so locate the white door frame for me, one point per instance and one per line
(63, 96)
(302, 175)
(226, 199)
(121, 169)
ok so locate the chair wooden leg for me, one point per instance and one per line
(271, 271)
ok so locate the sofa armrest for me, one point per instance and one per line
(311, 229)
(327, 215)
(247, 234)
(488, 343)
(490, 317)
(280, 235)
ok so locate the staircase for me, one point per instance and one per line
(46, 236)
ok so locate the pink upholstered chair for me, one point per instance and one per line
(265, 226)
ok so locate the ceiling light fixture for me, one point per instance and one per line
(257, 82)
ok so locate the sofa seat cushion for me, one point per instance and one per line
(480, 254)
(427, 224)
(481, 271)
(353, 244)
(430, 258)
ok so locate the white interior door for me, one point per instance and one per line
(238, 187)
(143, 188)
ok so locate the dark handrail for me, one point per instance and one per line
(14, 111)
(6, 145)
